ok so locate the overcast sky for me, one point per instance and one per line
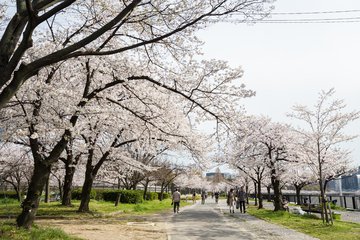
(289, 63)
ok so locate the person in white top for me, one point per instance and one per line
(176, 200)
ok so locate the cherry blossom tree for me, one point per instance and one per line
(299, 175)
(70, 29)
(15, 167)
(322, 139)
(151, 47)
(263, 143)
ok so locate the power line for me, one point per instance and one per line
(315, 12)
(312, 19)
(307, 22)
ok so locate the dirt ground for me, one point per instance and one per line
(130, 228)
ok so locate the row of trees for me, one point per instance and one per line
(277, 154)
(84, 80)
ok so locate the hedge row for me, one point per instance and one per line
(8, 194)
(126, 196)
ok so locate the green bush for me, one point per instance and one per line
(131, 196)
(76, 194)
(110, 195)
(151, 196)
(127, 196)
(165, 195)
(8, 194)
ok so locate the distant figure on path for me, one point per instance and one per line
(217, 197)
(194, 197)
(176, 200)
(203, 197)
(231, 200)
(241, 198)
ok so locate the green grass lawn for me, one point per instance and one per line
(97, 208)
(12, 208)
(309, 224)
(8, 231)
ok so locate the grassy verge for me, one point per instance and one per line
(310, 224)
(8, 231)
(98, 208)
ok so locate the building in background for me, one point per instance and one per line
(346, 183)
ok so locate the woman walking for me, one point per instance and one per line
(231, 199)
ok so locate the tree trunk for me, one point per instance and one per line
(119, 184)
(31, 203)
(161, 195)
(85, 193)
(259, 195)
(298, 189)
(268, 188)
(47, 190)
(324, 212)
(69, 176)
(145, 189)
(18, 194)
(247, 193)
(277, 193)
(255, 189)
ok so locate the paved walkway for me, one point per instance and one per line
(213, 221)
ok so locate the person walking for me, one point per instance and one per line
(216, 197)
(231, 199)
(203, 197)
(194, 197)
(176, 200)
(241, 198)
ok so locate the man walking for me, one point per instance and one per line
(176, 200)
(241, 198)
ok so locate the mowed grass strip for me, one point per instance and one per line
(8, 231)
(310, 224)
(97, 208)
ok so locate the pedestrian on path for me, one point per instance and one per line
(194, 197)
(216, 197)
(203, 197)
(231, 199)
(241, 198)
(176, 200)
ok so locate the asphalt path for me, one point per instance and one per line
(213, 221)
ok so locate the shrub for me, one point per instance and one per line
(76, 194)
(8, 194)
(131, 196)
(111, 195)
(151, 196)
(165, 195)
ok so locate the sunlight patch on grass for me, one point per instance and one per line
(310, 224)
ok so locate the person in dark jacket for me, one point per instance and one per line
(241, 198)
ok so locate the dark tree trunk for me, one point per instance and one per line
(161, 196)
(69, 176)
(277, 194)
(31, 203)
(247, 193)
(255, 187)
(298, 190)
(119, 184)
(269, 193)
(85, 193)
(259, 194)
(146, 188)
(47, 190)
